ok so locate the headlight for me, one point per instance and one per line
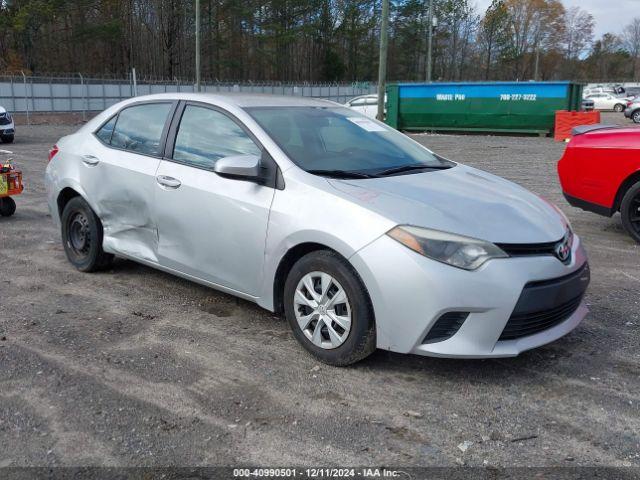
(456, 250)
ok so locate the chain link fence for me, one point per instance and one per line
(78, 94)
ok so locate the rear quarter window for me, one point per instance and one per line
(104, 133)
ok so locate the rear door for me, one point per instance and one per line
(210, 227)
(117, 171)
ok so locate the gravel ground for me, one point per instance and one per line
(136, 367)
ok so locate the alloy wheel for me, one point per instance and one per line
(322, 310)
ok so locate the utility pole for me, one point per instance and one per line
(382, 67)
(536, 75)
(198, 87)
(430, 41)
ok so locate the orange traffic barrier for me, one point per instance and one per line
(567, 121)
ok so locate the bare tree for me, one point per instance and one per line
(579, 26)
(631, 42)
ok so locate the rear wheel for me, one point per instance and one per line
(7, 206)
(630, 211)
(82, 237)
(328, 309)
(618, 108)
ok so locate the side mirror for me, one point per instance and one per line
(240, 167)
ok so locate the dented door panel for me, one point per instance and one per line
(121, 186)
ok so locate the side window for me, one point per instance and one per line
(206, 135)
(372, 101)
(139, 128)
(360, 102)
(106, 130)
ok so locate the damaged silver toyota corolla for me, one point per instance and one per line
(361, 236)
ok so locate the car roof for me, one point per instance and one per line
(242, 100)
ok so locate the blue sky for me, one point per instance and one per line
(610, 16)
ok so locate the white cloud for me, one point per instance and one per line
(609, 16)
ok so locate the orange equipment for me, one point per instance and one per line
(10, 185)
(567, 121)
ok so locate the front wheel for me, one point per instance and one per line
(82, 237)
(7, 138)
(618, 108)
(636, 116)
(630, 211)
(7, 206)
(329, 310)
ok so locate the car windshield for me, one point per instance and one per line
(338, 140)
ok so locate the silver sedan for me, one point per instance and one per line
(362, 237)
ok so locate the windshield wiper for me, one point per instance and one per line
(409, 168)
(341, 174)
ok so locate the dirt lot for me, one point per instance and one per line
(136, 367)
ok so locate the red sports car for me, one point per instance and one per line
(600, 172)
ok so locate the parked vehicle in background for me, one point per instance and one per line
(599, 89)
(633, 111)
(365, 104)
(373, 240)
(600, 172)
(632, 93)
(608, 101)
(588, 105)
(7, 126)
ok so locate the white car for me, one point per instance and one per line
(608, 101)
(362, 237)
(7, 127)
(365, 104)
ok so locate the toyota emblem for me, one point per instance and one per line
(563, 250)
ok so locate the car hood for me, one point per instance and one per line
(460, 200)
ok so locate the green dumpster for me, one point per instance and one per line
(500, 107)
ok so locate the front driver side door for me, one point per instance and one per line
(210, 227)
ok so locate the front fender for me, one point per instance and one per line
(275, 255)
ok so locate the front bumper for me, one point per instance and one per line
(410, 293)
(9, 129)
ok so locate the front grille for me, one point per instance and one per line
(532, 323)
(545, 304)
(560, 249)
(445, 327)
(527, 249)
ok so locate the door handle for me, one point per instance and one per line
(90, 160)
(168, 182)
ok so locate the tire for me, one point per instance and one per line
(7, 138)
(356, 343)
(618, 108)
(7, 206)
(630, 211)
(636, 116)
(82, 237)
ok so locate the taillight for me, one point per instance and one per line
(53, 152)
